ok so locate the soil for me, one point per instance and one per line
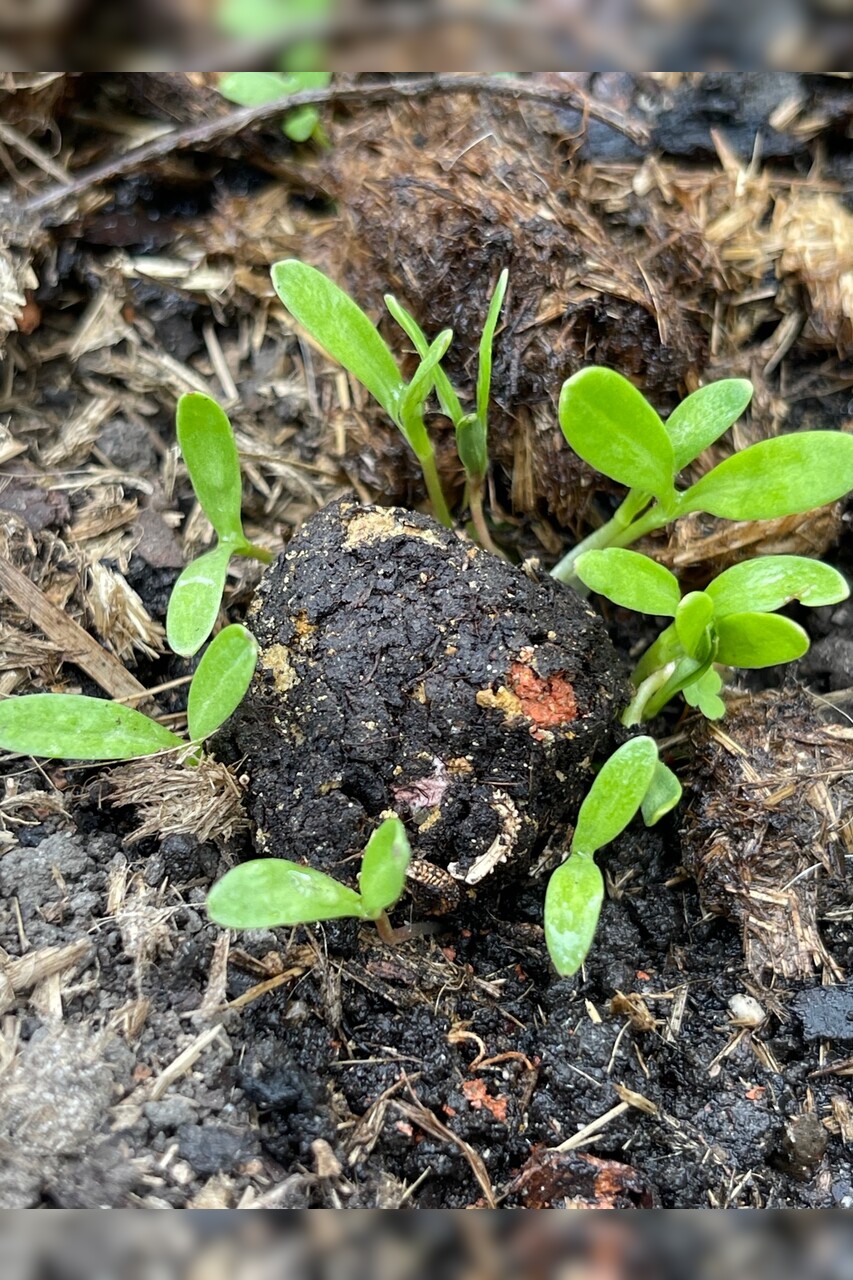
(147, 1058)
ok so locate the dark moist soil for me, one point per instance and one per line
(702, 1056)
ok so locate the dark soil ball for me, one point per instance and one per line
(404, 669)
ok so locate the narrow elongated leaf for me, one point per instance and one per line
(704, 416)
(614, 428)
(754, 640)
(692, 619)
(269, 892)
(663, 794)
(778, 477)
(615, 795)
(572, 906)
(769, 582)
(484, 367)
(195, 600)
(631, 580)
(341, 327)
(221, 680)
(207, 444)
(383, 868)
(421, 384)
(447, 396)
(71, 726)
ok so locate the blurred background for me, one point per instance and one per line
(324, 1245)
(814, 35)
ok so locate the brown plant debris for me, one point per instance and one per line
(771, 792)
(203, 800)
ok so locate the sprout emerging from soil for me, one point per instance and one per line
(210, 453)
(633, 778)
(612, 426)
(267, 893)
(731, 623)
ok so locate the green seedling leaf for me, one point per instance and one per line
(615, 795)
(383, 868)
(779, 477)
(71, 726)
(447, 396)
(267, 893)
(221, 680)
(421, 384)
(666, 649)
(207, 444)
(663, 794)
(472, 447)
(195, 600)
(631, 580)
(704, 416)
(614, 428)
(572, 906)
(484, 367)
(703, 693)
(341, 328)
(692, 619)
(752, 640)
(253, 88)
(769, 582)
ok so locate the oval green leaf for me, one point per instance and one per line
(692, 619)
(663, 794)
(195, 600)
(704, 416)
(269, 892)
(615, 795)
(210, 453)
(71, 726)
(572, 906)
(752, 640)
(631, 580)
(341, 328)
(779, 477)
(614, 428)
(383, 868)
(221, 680)
(769, 582)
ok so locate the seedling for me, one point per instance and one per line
(732, 622)
(472, 429)
(614, 428)
(71, 726)
(210, 453)
(267, 893)
(340, 326)
(632, 779)
(254, 88)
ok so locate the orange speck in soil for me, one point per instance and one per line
(547, 701)
(643, 976)
(478, 1097)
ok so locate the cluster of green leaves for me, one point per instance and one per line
(254, 88)
(732, 622)
(72, 726)
(210, 453)
(267, 893)
(633, 779)
(341, 327)
(612, 426)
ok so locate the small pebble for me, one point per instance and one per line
(746, 1010)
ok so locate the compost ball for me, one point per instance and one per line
(403, 669)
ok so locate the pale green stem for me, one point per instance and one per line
(620, 524)
(436, 494)
(255, 552)
(634, 713)
(478, 518)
